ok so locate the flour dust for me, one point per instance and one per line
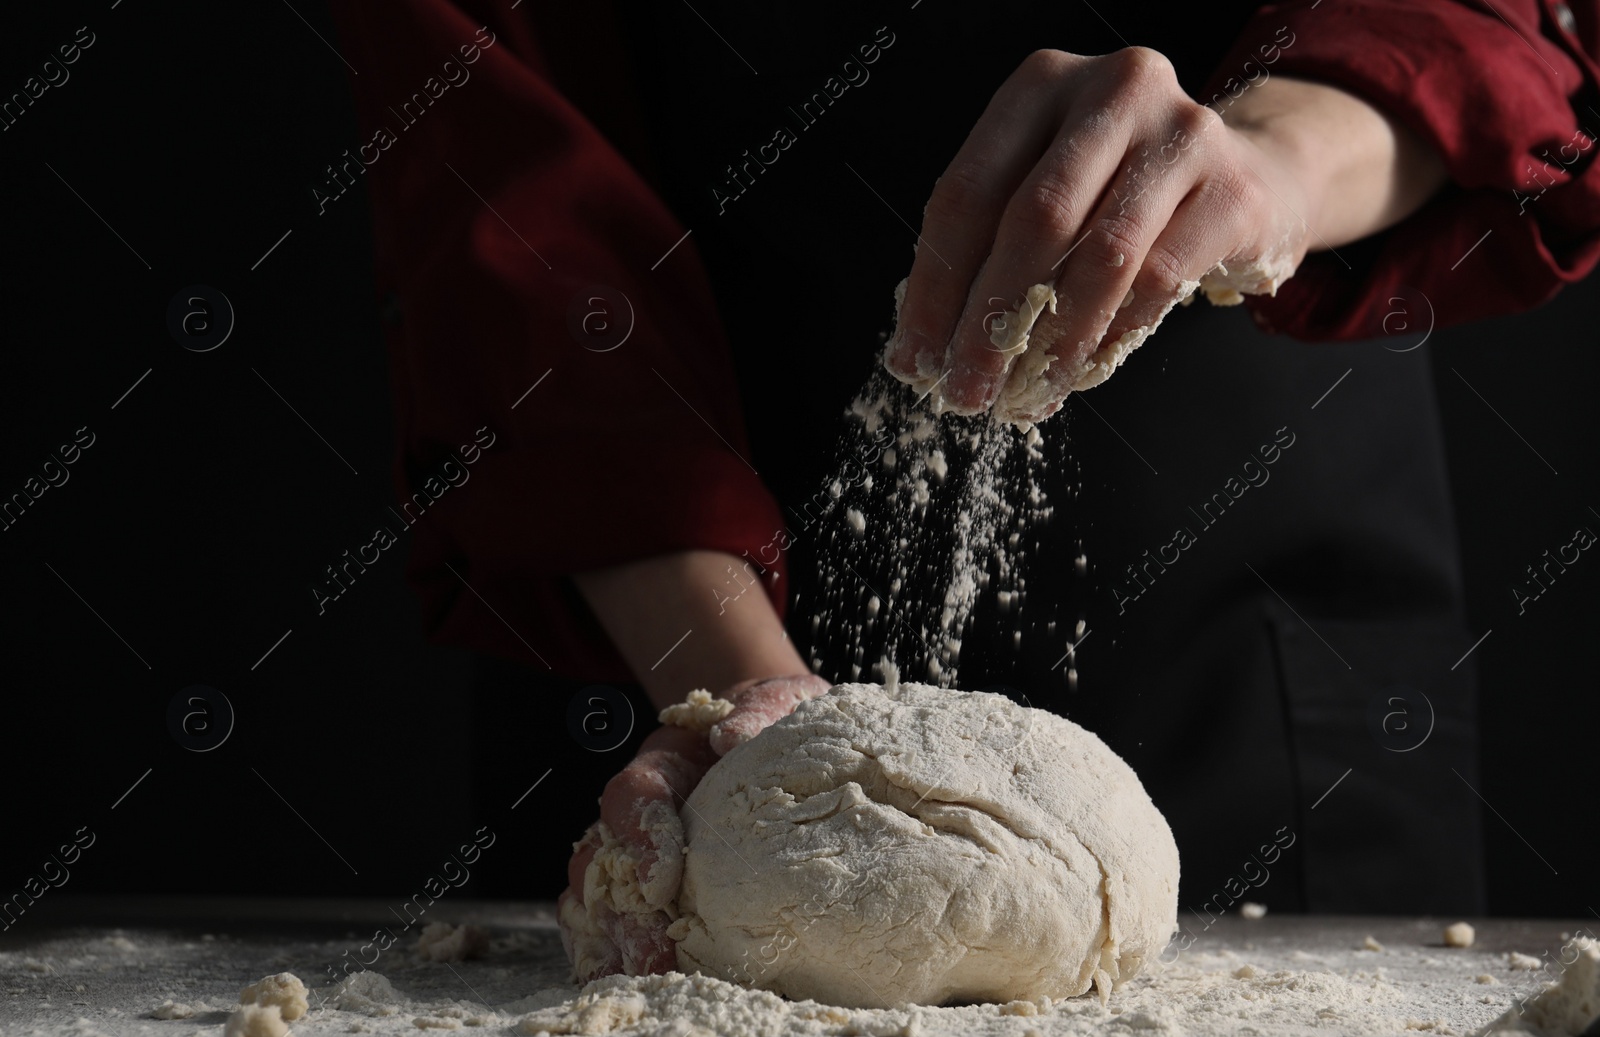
(930, 516)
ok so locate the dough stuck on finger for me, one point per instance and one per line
(584, 939)
(697, 712)
(621, 921)
(1034, 383)
(660, 875)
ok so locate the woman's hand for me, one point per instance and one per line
(640, 807)
(1100, 176)
(645, 606)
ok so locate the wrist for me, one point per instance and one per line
(1357, 170)
(682, 622)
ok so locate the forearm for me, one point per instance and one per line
(648, 605)
(1361, 171)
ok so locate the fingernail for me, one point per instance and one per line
(904, 356)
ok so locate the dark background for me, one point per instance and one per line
(194, 525)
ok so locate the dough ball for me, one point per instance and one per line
(1459, 935)
(283, 990)
(916, 844)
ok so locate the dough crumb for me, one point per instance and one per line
(283, 991)
(423, 1022)
(1369, 944)
(1252, 911)
(441, 941)
(1244, 972)
(367, 991)
(1459, 935)
(1487, 980)
(698, 712)
(256, 1021)
(590, 1013)
(1522, 962)
(170, 1009)
(1019, 1008)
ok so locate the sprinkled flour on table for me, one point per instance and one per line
(1276, 977)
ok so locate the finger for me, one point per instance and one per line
(760, 706)
(591, 951)
(1046, 224)
(640, 805)
(1203, 231)
(642, 943)
(1095, 291)
(958, 224)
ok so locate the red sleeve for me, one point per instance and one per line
(1502, 91)
(496, 209)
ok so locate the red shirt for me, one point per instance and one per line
(492, 230)
(1496, 88)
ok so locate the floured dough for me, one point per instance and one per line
(284, 990)
(255, 1021)
(924, 845)
(1459, 935)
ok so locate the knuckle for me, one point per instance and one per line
(1114, 239)
(960, 195)
(1142, 66)
(1232, 191)
(1197, 121)
(1043, 65)
(1043, 210)
(1161, 276)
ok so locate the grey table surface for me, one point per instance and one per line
(89, 965)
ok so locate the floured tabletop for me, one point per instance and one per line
(106, 966)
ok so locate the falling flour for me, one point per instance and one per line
(958, 508)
